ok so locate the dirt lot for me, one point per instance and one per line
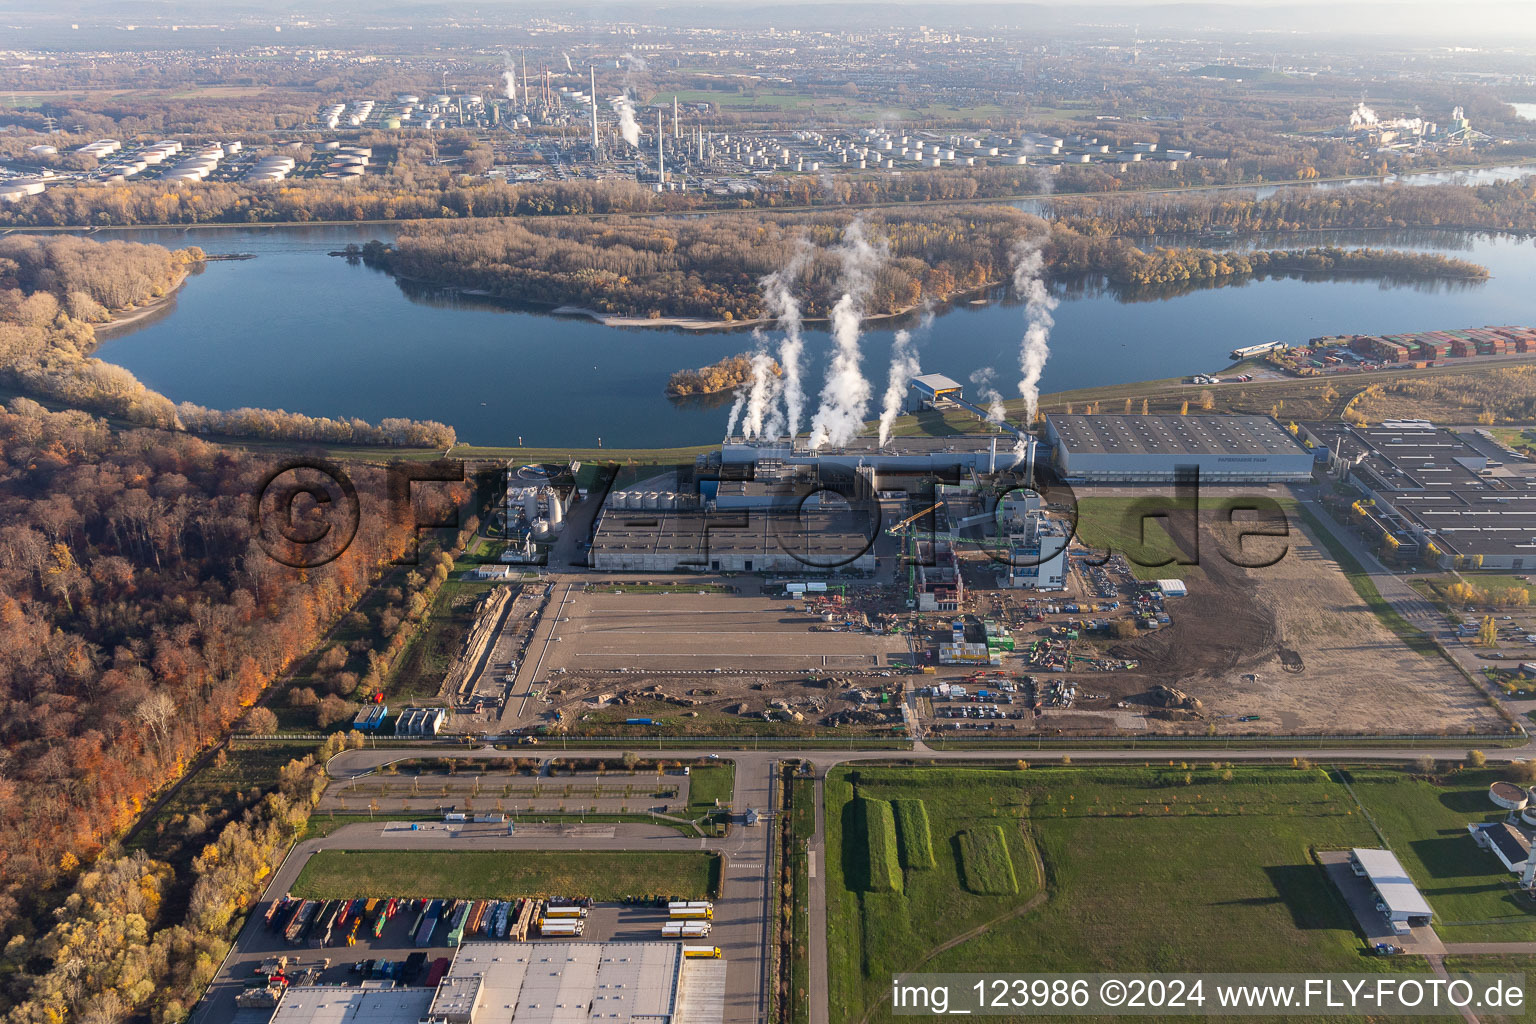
(1322, 660)
(719, 663)
(1292, 644)
(667, 632)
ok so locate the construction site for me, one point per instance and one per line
(946, 588)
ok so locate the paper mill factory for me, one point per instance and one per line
(786, 505)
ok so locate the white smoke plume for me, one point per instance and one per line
(779, 296)
(845, 395)
(623, 105)
(985, 392)
(509, 78)
(904, 366)
(762, 390)
(627, 126)
(1362, 116)
(736, 407)
(1028, 262)
(567, 61)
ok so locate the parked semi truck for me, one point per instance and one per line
(701, 952)
(685, 929)
(428, 923)
(303, 914)
(701, 910)
(557, 928)
(565, 912)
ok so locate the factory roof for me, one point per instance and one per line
(911, 444)
(825, 538)
(334, 1004)
(1391, 882)
(935, 382)
(1509, 841)
(1174, 435)
(563, 983)
(1459, 489)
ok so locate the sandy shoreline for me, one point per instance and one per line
(690, 323)
(118, 322)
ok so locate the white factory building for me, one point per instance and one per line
(1153, 449)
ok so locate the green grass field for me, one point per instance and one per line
(1474, 898)
(873, 834)
(1135, 527)
(484, 874)
(985, 866)
(915, 834)
(1187, 868)
(710, 783)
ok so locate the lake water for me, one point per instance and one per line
(300, 330)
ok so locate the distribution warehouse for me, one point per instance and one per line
(533, 983)
(1152, 449)
(1456, 497)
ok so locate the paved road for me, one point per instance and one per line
(530, 672)
(818, 913)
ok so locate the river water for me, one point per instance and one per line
(300, 330)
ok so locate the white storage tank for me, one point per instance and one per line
(1508, 796)
(531, 504)
(556, 513)
(652, 500)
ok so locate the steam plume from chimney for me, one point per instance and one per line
(904, 366)
(845, 395)
(1028, 262)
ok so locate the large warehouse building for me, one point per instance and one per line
(534, 983)
(1153, 449)
(1455, 497)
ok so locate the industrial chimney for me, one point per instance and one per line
(594, 109)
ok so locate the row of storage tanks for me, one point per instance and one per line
(149, 156)
(271, 168)
(348, 162)
(1515, 799)
(660, 501)
(201, 163)
(331, 115)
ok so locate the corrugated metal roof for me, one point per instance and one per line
(1391, 882)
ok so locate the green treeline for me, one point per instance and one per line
(1171, 266)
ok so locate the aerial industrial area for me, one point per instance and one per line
(766, 516)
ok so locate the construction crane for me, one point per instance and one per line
(895, 530)
(910, 554)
